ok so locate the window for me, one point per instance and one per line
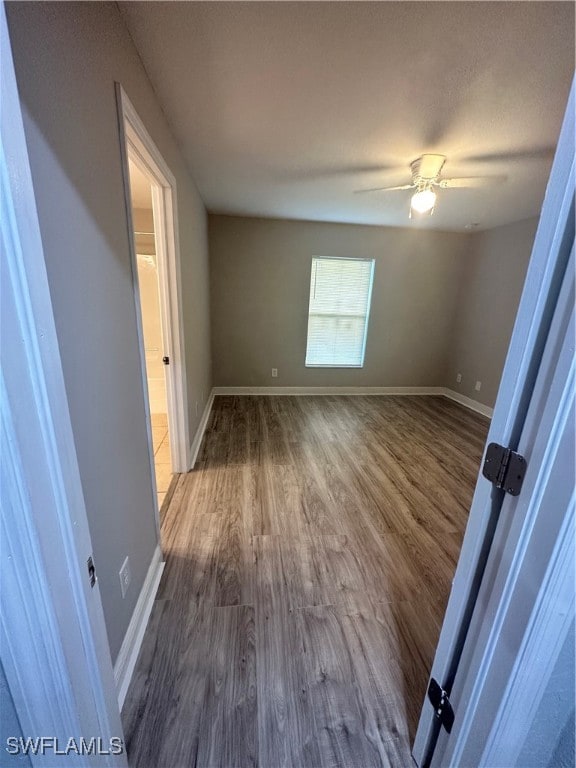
(340, 291)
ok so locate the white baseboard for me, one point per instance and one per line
(474, 405)
(197, 442)
(126, 661)
(328, 390)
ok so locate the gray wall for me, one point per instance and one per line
(260, 283)
(442, 303)
(493, 276)
(67, 58)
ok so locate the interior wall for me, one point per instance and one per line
(442, 303)
(493, 276)
(260, 283)
(68, 57)
(143, 221)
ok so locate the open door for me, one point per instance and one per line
(511, 609)
(53, 644)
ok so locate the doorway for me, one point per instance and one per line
(155, 357)
(151, 202)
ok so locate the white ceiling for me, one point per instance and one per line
(284, 109)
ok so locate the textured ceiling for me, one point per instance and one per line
(284, 109)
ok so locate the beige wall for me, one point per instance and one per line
(68, 57)
(260, 282)
(493, 275)
(143, 221)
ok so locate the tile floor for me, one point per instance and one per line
(162, 458)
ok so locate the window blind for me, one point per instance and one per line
(340, 291)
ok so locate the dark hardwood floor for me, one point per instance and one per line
(309, 558)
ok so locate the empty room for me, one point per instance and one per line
(287, 384)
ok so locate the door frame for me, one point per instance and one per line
(53, 639)
(548, 264)
(137, 144)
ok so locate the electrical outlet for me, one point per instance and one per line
(458, 378)
(274, 373)
(125, 576)
(477, 386)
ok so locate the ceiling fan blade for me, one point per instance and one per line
(383, 189)
(471, 181)
(516, 155)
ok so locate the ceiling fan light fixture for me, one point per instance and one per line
(423, 201)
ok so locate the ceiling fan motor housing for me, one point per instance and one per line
(427, 169)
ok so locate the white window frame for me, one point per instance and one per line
(372, 262)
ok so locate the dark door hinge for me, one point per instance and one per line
(505, 468)
(166, 360)
(91, 571)
(441, 703)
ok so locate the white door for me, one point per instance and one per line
(53, 642)
(525, 606)
(512, 606)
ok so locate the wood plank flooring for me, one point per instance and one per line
(309, 558)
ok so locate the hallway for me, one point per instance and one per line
(309, 558)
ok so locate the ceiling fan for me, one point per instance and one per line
(426, 178)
